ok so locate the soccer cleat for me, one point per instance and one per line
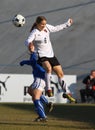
(69, 97)
(39, 119)
(49, 93)
(50, 106)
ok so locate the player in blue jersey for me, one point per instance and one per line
(37, 87)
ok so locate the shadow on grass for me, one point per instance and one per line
(76, 112)
(39, 124)
(21, 124)
(21, 106)
(71, 112)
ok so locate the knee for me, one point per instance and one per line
(60, 74)
(49, 69)
(59, 71)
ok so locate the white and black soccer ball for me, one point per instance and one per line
(18, 20)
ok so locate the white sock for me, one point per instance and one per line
(48, 83)
(63, 85)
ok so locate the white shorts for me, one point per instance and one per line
(38, 84)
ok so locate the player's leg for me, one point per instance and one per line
(59, 72)
(39, 107)
(48, 69)
(36, 92)
(49, 105)
(43, 99)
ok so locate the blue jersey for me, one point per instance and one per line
(38, 71)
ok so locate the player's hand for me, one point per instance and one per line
(21, 63)
(70, 21)
(31, 47)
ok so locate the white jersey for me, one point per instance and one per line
(41, 39)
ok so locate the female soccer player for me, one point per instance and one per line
(36, 89)
(40, 39)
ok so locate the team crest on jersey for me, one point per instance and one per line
(45, 30)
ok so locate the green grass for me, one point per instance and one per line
(17, 116)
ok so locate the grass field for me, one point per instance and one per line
(16, 116)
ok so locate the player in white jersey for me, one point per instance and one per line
(39, 39)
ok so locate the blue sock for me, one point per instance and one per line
(39, 108)
(43, 99)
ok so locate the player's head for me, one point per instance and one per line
(40, 23)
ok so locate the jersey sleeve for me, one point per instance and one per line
(30, 38)
(25, 62)
(58, 27)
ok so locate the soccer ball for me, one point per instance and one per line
(18, 20)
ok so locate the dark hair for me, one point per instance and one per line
(39, 19)
(92, 71)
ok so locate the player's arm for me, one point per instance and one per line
(31, 47)
(60, 27)
(29, 42)
(31, 62)
(25, 62)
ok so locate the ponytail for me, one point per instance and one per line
(33, 26)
